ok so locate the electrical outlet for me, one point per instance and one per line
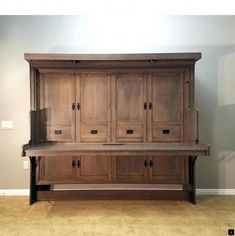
(7, 124)
(25, 165)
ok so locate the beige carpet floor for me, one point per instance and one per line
(212, 216)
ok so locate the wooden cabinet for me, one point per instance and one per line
(113, 119)
(130, 114)
(57, 118)
(54, 170)
(93, 118)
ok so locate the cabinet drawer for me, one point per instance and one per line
(58, 133)
(130, 132)
(166, 133)
(94, 133)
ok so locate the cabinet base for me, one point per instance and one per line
(113, 195)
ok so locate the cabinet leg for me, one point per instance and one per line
(192, 181)
(33, 186)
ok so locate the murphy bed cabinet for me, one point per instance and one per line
(124, 123)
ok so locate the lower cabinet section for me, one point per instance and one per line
(129, 169)
(112, 169)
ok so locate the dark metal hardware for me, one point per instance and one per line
(146, 163)
(165, 131)
(78, 106)
(150, 163)
(73, 163)
(78, 164)
(75, 61)
(152, 60)
(145, 106)
(94, 131)
(58, 131)
(129, 131)
(73, 106)
(150, 106)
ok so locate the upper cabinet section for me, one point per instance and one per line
(57, 116)
(93, 117)
(113, 98)
(129, 98)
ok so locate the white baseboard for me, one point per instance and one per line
(14, 192)
(25, 192)
(215, 191)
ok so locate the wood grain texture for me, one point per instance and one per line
(96, 57)
(131, 149)
(113, 118)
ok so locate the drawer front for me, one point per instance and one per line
(58, 133)
(130, 132)
(166, 133)
(94, 133)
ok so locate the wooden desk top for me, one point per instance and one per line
(136, 149)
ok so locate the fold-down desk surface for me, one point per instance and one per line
(137, 149)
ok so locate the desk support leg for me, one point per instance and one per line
(192, 182)
(33, 186)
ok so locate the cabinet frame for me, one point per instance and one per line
(147, 64)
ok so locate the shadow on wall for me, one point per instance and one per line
(215, 98)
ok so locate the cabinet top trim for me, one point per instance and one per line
(193, 56)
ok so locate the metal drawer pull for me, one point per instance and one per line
(129, 131)
(58, 131)
(166, 131)
(150, 163)
(94, 131)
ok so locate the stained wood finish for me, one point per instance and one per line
(56, 169)
(112, 57)
(75, 149)
(94, 168)
(167, 169)
(57, 118)
(166, 115)
(130, 113)
(113, 195)
(94, 109)
(145, 101)
(129, 169)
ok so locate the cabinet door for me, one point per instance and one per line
(94, 168)
(129, 116)
(167, 169)
(130, 168)
(57, 169)
(57, 95)
(166, 108)
(93, 120)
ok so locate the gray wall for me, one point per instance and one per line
(214, 36)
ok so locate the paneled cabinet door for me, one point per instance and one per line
(167, 169)
(57, 169)
(130, 169)
(57, 111)
(93, 107)
(129, 103)
(93, 168)
(165, 120)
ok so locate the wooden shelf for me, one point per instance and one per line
(71, 149)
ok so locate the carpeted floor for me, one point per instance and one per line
(212, 216)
